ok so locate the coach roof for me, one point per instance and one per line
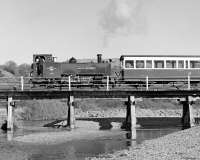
(156, 55)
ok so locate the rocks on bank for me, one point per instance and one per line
(182, 145)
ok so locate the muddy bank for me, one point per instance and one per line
(179, 145)
(52, 138)
(139, 113)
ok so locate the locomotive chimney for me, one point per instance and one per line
(99, 58)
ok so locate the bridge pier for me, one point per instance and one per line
(187, 116)
(71, 113)
(130, 122)
(10, 114)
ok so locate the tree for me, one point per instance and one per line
(11, 67)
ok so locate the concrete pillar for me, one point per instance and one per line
(71, 112)
(187, 116)
(130, 122)
(10, 114)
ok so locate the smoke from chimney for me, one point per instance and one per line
(121, 17)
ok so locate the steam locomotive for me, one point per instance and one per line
(45, 70)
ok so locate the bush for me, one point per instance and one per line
(11, 67)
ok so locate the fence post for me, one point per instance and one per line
(130, 122)
(147, 83)
(69, 80)
(22, 83)
(189, 80)
(188, 116)
(107, 84)
(10, 114)
(71, 112)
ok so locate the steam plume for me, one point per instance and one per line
(121, 17)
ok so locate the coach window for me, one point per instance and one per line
(170, 64)
(186, 64)
(194, 64)
(158, 64)
(148, 64)
(139, 64)
(129, 64)
(180, 64)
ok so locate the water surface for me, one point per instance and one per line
(96, 136)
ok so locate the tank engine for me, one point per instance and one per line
(45, 70)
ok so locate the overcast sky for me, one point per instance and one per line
(83, 28)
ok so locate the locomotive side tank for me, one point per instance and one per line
(85, 69)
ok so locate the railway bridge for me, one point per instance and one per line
(187, 96)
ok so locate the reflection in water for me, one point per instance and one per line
(71, 152)
(9, 135)
(132, 134)
(90, 148)
(131, 137)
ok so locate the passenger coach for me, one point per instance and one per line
(160, 68)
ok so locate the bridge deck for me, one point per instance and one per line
(24, 95)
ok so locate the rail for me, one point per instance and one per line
(107, 83)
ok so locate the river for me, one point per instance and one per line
(92, 137)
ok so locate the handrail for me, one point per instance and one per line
(106, 83)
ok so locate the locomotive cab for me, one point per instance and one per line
(38, 63)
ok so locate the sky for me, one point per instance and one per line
(84, 28)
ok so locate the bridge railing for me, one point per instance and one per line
(107, 83)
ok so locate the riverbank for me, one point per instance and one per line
(180, 145)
